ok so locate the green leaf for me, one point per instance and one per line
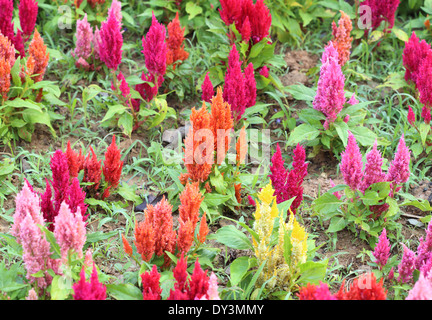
(126, 122)
(313, 272)
(238, 268)
(61, 288)
(99, 236)
(301, 92)
(327, 203)
(302, 132)
(128, 193)
(218, 182)
(342, 130)
(193, 10)
(117, 109)
(163, 108)
(233, 238)
(336, 224)
(400, 34)
(124, 291)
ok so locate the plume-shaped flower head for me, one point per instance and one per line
(111, 42)
(155, 48)
(38, 50)
(399, 171)
(92, 290)
(341, 37)
(84, 39)
(151, 285)
(207, 89)
(316, 292)
(174, 42)
(407, 265)
(112, 165)
(382, 250)
(28, 10)
(351, 164)
(365, 287)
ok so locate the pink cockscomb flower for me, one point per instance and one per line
(351, 164)
(212, 292)
(382, 250)
(426, 115)
(250, 86)
(28, 10)
(155, 48)
(399, 171)
(84, 39)
(407, 265)
(424, 249)
(373, 169)
(413, 54)
(422, 289)
(330, 96)
(69, 232)
(264, 72)
(111, 42)
(207, 89)
(92, 290)
(424, 85)
(150, 284)
(411, 116)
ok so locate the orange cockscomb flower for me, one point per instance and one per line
(341, 38)
(199, 146)
(38, 50)
(222, 124)
(126, 246)
(203, 229)
(5, 70)
(75, 161)
(241, 147)
(237, 189)
(145, 240)
(190, 199)
(92, 170)
(174, 42)
(7, 50)
(112, 166)
(185, 235)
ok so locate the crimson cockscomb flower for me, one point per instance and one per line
(264, 72)
(330, 96)
(112, 165)
(250, 86)
(399, 171)
(76, 199)
(111, 42)
(84, 39)
(364, 287)
(38, 50)
(424, 85)
(199, 282)
(260, 21)
(155, 49)
(341, 37)
(207, 89)
(424, 249)
(69, 232)
(28, 10)
(146, 91)
(150, 284)
(315, 292)
(407, 265)
(174, 42)
(47, 206)
(382, 250)
(351, 164)
(234, 89)
(230, 10)
(75, 161)
(411, 116)
(60, 178)
(413, 54)
(373, 169)
(246, 30)
(382, 10)
(426, 115)
(92, 290)
(92, 170)
(6, 15)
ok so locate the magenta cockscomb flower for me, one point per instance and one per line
(111, 42)
(422, 289)
(426, 115)
(260, 21)
(411, 116)
(207, 89)
(123, 86)
(407, 265)
(76, 199)
(151, 284)
(155, 49)
(351, 164)
(69, 232)
(413, 54)
(250, 86)
(84, 39)
(234, 88)
(146, 91)
(330, 96)
(28, 10)
(230, 11)
(382, 250)
(6, 15)
(278, 174)
(92, 290)
(264, 72)
(382, 10)
(60, 178)
(399, 171)
(115, 9)
(424, 249)
(424, 84)
(373, 169)
(353, 101)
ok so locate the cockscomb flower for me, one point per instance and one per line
(364, 287)
(382, 250)
(422, 289)
(112, 165)
(190, 202)
(5, 70)
(234, 89)
(222, 124)
(426, 115)
(351, 164)
(411, 116)
(92, 290)
(47, 206)
(115, 9)
(230, 10)
(38, 50)
(407, 265)
(7, 50)
(382, 10)
(150, 284)
(424, 249)
(207, 89)
(424, 85)
(399, 171)
(69, 232)
(126, 246)
(373, 169)
(84, 39)
(264, 71)
(185, 235)
(341, 38)
(60, 178)
(246, 30)
(145, 239)
(92, 170)
(19, 44)
(260, 21)
(146, 91)
(250, 86)
(6, 15)
(75, 161)
(241, 147)
(111, 42)
(155, 48)
(330, 96)
(174, 42)
(28, 10)
(203, 229)
(316, 292)
(96, 43)
(212, 291)
(413, 54)
(76, 198)
(199, 164)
